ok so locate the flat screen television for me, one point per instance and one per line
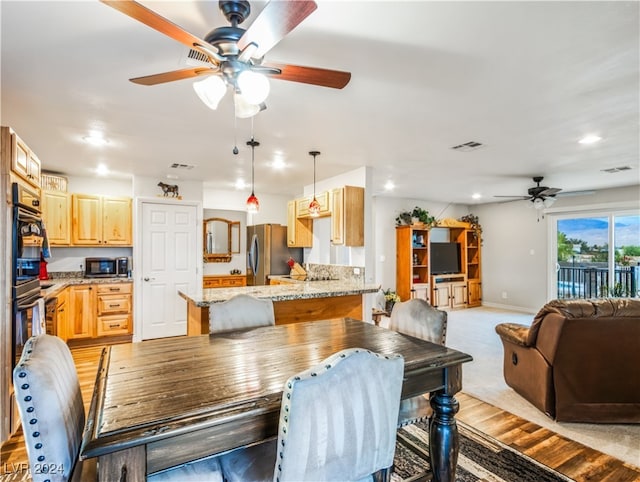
(445, 258)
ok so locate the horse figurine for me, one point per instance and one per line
(169, 189)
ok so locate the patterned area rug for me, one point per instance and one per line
(481, 458)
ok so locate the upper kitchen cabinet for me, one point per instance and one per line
(347, 216)
(24, 162)
(56, 213)
(100, 220)
(302, 205)
(299, 230)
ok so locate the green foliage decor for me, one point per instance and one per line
(422, 215)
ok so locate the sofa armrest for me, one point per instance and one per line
(513, 332)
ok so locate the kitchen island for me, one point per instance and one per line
(292, 302)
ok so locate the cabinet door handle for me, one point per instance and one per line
(114, 326)
(115, 306)
(114, 289)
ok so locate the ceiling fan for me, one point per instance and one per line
(542, 196)
(235, 54)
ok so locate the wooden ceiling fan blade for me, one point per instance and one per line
(157, 22)
(276, 20)
(550, 191)
(164, 77)
(574, 193)
(335, 79)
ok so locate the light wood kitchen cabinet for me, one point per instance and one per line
(100, 220)
(62, 314)
(82, 312)
(114, 308)
(302, 205)
(299, 230)
(223, 281)
(347, 216)
(24, 162)
(56, 214)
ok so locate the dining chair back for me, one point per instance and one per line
(241, 311)
(337, 423)
(50, 405)
(52, 414)
(417, 318)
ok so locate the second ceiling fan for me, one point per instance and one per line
(236, 55)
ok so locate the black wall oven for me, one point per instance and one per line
(27, 239)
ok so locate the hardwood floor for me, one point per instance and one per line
(573, 459)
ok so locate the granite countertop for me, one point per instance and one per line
(56, 285)
(298, 290)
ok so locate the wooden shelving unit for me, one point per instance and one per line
(413, 275)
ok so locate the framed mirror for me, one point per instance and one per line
(221, 237)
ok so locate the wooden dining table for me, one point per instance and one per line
(160, 403)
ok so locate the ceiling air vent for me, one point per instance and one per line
(196, 58)
(617, 169)
(177, 165)
(468, 146)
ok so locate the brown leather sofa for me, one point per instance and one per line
(579, 361)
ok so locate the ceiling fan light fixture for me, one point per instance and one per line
(538, 203)
(253, 86)
(210, 90)
(245, 109)
(548, 202)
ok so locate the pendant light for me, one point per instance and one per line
(314, 205)
(253, 205)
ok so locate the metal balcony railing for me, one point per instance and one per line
(593, 282)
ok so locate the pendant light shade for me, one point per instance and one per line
(314, 205)
(253, 205)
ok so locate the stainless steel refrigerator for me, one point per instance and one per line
(267, 253)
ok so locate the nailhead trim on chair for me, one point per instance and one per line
(29, 398)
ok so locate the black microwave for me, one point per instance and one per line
(106, 267)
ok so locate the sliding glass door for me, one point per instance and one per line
(597, 255)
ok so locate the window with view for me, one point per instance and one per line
(598, 256)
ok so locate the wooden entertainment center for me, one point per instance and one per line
(414, 276)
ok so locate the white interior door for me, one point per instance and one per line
(169, 263)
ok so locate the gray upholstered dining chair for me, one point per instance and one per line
(417, 318)
(241, 311)
(50, 404)
(337, 423)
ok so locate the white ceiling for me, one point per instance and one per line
(526, 79)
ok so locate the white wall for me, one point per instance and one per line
(273, 208)
(515, 245)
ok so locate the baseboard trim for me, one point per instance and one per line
(521, 309)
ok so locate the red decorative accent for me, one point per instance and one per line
(314, 207)
(253, 205)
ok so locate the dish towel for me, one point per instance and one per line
(38, 322)
(46, 250)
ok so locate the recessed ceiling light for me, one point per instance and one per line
(278, 163)
(102, 170)
(240, 184)
(172, 176)
(95, 139)
(476, 195)
(590, 139)
(389, 186)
